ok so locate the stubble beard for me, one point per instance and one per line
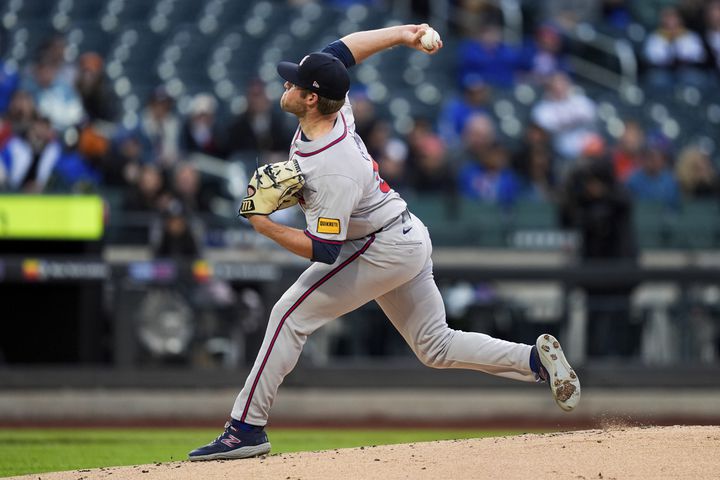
(298, 109)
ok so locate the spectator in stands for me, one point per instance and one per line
(533, 162)
(129, 150)
(474, 14)
(162, 127)
(175, 237)
(692, 11)
(54, 96)
(186, 188)
(18, 117)
(478, 136)
(28, 161)
(627, 153)
(492, 181)
(392, 162)
(654, 181)
(545, 54)
(597, 206)
(675, 55)
(201, 132)
(422, 127)
(261, 128)
(594, 202)
(570, 13)
(696, 174)
(389, 152)
(6, 130)
(485, 174)
(569, 116)
(617, 14)
(432, 172)
(377, 137)
(711, 34)
(148, 193)
(9, 82)
(98, 98)
(489, 57)
(73, 171)
(53, 50)
(101, 109)
(455, 113)
(363, 111)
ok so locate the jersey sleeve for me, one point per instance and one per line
(339, 50)
(328, 215)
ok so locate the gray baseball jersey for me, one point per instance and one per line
(344, 197)
(385, 256)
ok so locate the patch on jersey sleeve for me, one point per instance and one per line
(328, 225)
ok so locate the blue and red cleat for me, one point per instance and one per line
(239, 440)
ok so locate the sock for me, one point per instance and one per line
(535, 365)
(245, 427)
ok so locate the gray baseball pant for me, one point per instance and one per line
(394, 269)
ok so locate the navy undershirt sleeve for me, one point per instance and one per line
(339, 50)
(324, 252)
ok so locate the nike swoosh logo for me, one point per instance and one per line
(405, 230)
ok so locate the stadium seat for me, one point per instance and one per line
(698, 225)
(488, 224)
(86, 11)
(32, 10)
(93, 38)
(185, 11)
(533, 215)
(135, 10)
(653, 224)
(440, 214)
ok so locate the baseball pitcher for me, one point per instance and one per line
(364, 244)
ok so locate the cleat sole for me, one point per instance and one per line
(565, 385)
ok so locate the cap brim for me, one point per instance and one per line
(289, 72)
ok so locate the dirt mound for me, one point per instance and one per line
(681, 452)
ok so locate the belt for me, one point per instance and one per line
(404, 216)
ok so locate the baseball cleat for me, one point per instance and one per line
(557, 372)
(237, 441)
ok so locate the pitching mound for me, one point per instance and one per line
(640, 453)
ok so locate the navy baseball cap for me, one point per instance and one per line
(318, 72)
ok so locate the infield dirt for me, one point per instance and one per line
(680, 452)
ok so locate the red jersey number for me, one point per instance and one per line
(384, 187)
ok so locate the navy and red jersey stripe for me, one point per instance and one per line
(322, 149)
(323, 240)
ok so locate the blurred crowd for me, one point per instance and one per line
(61, 131)
(61, 128)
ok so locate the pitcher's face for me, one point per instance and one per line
(292, 100)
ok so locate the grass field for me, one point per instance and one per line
(25, 451)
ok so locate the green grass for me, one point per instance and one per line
(25, 451)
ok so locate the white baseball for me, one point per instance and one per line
(430, 40)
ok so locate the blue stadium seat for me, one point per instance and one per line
(186, 11)
(135, 10)
(86, 11)
(32, 34)
(34, 10)
(94, 38)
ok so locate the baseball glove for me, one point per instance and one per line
(273, 187)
